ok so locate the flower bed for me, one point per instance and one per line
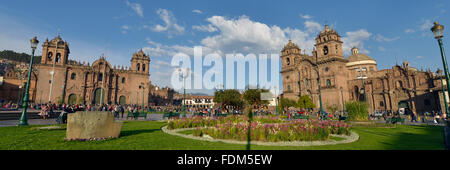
(199, 121)
(297, 130)
(262, 128)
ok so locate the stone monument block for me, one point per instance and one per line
(90, 125)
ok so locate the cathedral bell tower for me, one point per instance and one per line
(329, 44)
(140, 62)
(55, 51)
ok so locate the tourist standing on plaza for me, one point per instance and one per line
(44, 112)
(122, 110)
(437, 118)
(413, 117)
(116, 111)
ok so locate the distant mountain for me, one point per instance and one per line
(18, 57)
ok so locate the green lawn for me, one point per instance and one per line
(147, 135)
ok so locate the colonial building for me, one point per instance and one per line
(200, 101)
(60, 79)
(163, 96)
(355, 77)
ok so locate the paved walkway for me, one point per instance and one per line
(6, 123)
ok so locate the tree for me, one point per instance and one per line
(253, 97)
(305, 102)
(19, 57)
(229, 97)
(285, 104)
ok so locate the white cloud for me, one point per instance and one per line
(125, 29)
(312, 26)
(136, 8)
(355, 39)
(380, 48)
(171, 26)
(208, 28)
(306, 16)
(409, 30)
(419, 57)
(243, 35)
(381, 38)
(426, 25)
(197, 11)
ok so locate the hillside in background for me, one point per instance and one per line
(18, 57)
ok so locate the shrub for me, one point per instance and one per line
(357, 111)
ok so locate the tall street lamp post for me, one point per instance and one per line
(438, 31)
(276, 101)
(343, 103)
(439, 73)
(23, 119)
(184, 89)
(362, 77)
(143, 92)
(318, 83)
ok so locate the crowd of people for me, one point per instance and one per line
(48, 110)
(436, 116)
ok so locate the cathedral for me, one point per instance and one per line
(62, 80)
(356, 78)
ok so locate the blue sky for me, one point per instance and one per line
(388, 31)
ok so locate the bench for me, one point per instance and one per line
(136, 115)
(130, 114)
(171, 115)
(343, 118)
(394, 120)
(301, 117)
(62, 118)
(142, 114)
(221, 115)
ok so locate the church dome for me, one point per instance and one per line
(356, 56)
(358, 59)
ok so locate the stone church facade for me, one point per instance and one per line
(345, 78)
(75, 82)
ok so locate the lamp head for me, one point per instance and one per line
(439, 71)
(34, 42)
(438, 30)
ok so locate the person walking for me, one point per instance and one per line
(122, 110)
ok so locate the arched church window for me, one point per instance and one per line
(138, 67)
(50, 56)
(123, 79)
(328, 82)
(73, 76)
(58, 57)
(288, 61)
(143, 67)
(399, 84)
(100, 77)
(325, 50)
